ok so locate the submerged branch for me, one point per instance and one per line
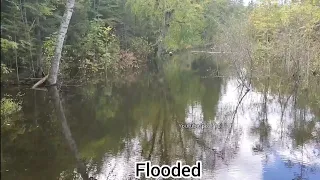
(213, 52)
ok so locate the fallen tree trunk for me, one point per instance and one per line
(209, 52)
(40, 82)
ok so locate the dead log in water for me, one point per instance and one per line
(40, 82)
(210, 52)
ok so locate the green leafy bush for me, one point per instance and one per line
(9, 107)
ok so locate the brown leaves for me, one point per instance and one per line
(128, 67)
(128, 61)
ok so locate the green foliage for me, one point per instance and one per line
(301, 18)
(49, 48)
(7, 45)
(5, 71)
(26, 23)
(289, 29)
(186, 29)
(185, 24)
(100, 47)
(9, 107)
(286, 53)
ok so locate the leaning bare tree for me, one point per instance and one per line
(54, 69)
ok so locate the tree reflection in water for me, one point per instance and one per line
(147, 117)
(111, 126)
(55, 97)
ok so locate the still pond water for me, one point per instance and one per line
(109, 127)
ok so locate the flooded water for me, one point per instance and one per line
(193, 110)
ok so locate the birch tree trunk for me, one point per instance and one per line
(54, 69)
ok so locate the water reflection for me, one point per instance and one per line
(55, 97)
(109, 127)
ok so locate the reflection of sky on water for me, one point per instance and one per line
(279, 160)
(278, 169)
(247, 164)
(121, 166)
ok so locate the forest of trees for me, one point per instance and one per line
(115, 36)
(120, 34)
